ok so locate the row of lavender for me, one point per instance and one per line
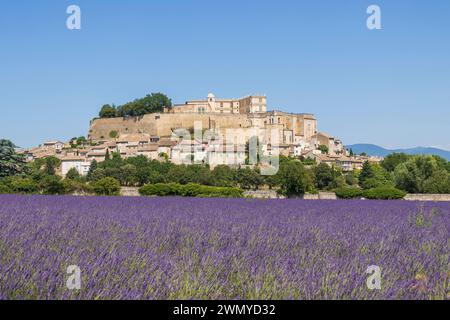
(161, 248)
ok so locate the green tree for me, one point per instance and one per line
(152, 103)
(422, 174)
(4, 189)
(92, 168)
(393, 160)
(73, 174)
(324, 176)
(272, 181)
(50, 165)
(374, 176)
(24, 185)
(81, 141)
(293, 178)
(108, 111)
(323, 148)
(351, 178)
(106, 187)
(249, 178)
(223, 176)
(365, 174)
(11, 163)
(98, 174)
(128, 175)
(52, 185)
(107, 156)
(351, 153)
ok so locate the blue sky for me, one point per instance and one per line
(389, 87)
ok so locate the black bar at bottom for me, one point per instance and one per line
(222, 309)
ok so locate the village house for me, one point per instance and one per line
(225, 154)
(150, 151)
(53, 145)
(165, 147)
(79, 163)
(187, 152)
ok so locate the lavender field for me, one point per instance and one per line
(181, 248)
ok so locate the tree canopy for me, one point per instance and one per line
(151, 103)
(423, 174)
(11, 163)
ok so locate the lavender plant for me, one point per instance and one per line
(185, 248)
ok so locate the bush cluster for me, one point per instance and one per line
(349, 193)
(106, 187)
(378, 193)
(384, 193)
(189, 190)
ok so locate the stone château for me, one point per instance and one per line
(248, 114)
(175, 135)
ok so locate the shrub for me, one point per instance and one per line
(4, 189)
(106, 187)
(76, 186)
(384, 193)
(189, 190)
(348, 193)
(113, 134)
(73, 174)
(220, 192)
(52, 185)
(25, 185)
(161, 189)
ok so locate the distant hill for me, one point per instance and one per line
(374, 150)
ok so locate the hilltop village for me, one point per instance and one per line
(211, 131)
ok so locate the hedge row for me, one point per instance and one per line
(384, 193)
(379, 193)
(54, 185)
(349, 193)
(189, 190)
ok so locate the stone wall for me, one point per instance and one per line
(320, 196)
(162, 124)
(263, 194)
(427, 197)
(327, 196)
(129, 192)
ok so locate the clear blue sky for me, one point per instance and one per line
(389, 87)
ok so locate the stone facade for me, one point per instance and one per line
(250, 104)
(247, 116)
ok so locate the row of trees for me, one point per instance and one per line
(40, 176)
(151, 103)
(293, 177)
(418, 174)
(412, 174)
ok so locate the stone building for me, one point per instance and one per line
(249, 104)
(245, 115)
